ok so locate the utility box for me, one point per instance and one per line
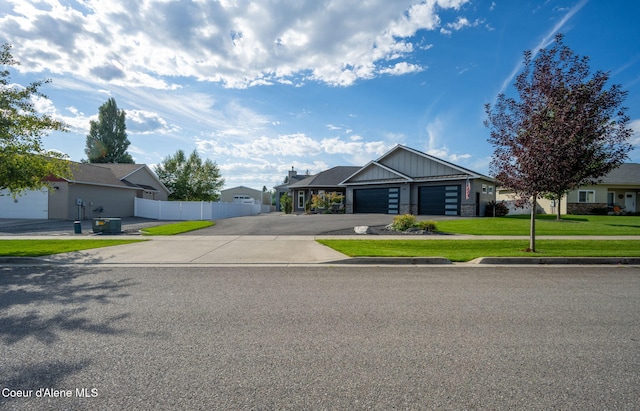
(107, 225)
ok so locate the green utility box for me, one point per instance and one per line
(107, 225)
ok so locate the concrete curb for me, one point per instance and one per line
(393, 260)
(557, 260)
(25, 260)
(400, 261)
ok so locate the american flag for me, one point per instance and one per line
(467, 192)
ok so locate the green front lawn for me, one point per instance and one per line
(545, 225)
(37, 248)
(466, 250)
(177, 228)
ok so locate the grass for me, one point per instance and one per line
(177, 228)
(545, 225)
(37, 248)
(466, 250)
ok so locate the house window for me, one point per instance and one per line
(300, 199)
(484, 189)
(586, 196)
(490, 189)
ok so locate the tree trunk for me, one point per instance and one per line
(532, 231)
(558, 216)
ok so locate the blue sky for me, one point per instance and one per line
(261, 86)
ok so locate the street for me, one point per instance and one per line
(319, 337)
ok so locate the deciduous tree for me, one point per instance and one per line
(24, 163)
(566, 129)
(190, 178)
(107, 140)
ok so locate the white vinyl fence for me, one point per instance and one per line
(191, 210)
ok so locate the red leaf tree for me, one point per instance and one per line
(565, 130)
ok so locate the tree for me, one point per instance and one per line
(565, 130)
(190, 179)
(24, 163)
(107, 140)
(286, 203)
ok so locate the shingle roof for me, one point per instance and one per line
(94, 174)
(627, 174)
(106, 174)
(328, 178)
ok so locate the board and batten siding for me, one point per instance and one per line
(414, 165)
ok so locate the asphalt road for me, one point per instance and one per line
(320, 338)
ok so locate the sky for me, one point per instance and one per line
(262, 86)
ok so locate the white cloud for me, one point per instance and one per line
(292, 146)
(146, 122)
(402, 68)
(436, 133)
(238, 44)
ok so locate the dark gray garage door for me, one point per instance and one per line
(439, 200)
(376, 200)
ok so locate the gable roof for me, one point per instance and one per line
(111, 175)
(404, 164)
(626, 174)
(328, 178)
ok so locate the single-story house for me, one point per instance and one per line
(327, 181)
(407, 181)
(241, 194)
(617, 191)
(94, 190)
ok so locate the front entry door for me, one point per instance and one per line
(630, 202)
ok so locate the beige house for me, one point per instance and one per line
(102, 190)
(618, 192)
(242, 194)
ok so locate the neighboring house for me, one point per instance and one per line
(407, 181)
(618, 191)
(241, 194)
(94, 190)
(327, 181)
(544, 205)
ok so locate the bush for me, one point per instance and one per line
(403, 222)
(408, 221)
(426, 225)
(286, 203)
(500, 207)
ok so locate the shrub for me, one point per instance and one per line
(501, 209)
(426, 225)
(600, 211)
(286, 203)
(408, 221)
(403, 222)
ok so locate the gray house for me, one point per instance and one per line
(407, 181)
(327, 181)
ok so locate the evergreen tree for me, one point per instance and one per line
(107, 141)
